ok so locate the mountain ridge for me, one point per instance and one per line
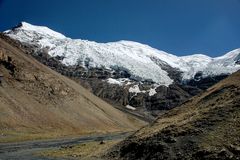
(126, 73)
(98, 53)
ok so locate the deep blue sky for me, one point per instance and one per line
(180, 27)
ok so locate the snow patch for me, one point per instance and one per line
(135, 89)
(130, 107)
(152, 91)
(114, 81)
(119, 81)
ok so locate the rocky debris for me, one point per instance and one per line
(234, 149)
(66, 147)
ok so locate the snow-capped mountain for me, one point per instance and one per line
(133, 56)
(140, 63)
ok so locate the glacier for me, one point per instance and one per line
(134, 57)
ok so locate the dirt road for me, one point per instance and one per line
(27, 150)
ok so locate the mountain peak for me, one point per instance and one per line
(45, 31)
(232, 54)
(25, 25)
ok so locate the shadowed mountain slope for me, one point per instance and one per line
(205, 127)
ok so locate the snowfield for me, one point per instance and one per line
(134, 57)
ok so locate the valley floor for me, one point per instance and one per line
(58, 148)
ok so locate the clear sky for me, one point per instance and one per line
(180, 27)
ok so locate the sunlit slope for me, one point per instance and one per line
(34, 99)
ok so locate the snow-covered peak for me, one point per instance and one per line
(230, 55)
(142, 61)
(225, 64)
(196, 57)
(42, 30)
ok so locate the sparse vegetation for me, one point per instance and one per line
(205, 127)
(88, 151)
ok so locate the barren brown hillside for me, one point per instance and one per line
(36, 102)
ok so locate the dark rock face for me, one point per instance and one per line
(109, 92)
(167, 97)
(204, 83)
(94, 79)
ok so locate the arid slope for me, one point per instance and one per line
(36, 102)
(205, 127)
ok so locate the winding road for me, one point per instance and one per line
(27, 150)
